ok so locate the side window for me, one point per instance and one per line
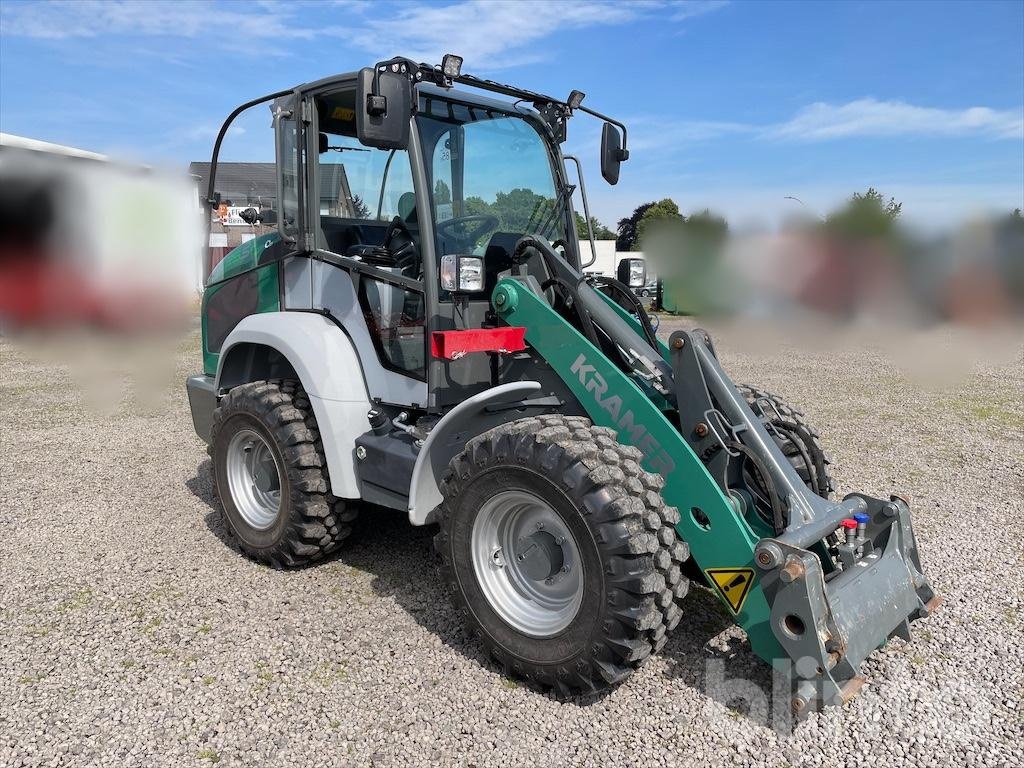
(442, 167)
(361, 189)
(395, 318)
(288, 175)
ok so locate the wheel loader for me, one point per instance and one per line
(409, 327)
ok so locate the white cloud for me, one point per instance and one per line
(480, 31)
(659, 133)
(862, 118)
(687, 10)
(870, 117)
(489, 34)
(63, 19)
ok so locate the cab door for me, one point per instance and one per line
(359, 202)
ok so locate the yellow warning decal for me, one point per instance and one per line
(733, 583)
(343, 113)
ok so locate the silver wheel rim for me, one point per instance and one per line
(254, 479)
(527, 563)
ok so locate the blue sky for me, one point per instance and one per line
(735, 105)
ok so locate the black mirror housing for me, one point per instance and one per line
(612, 154)
(249, 216)
(382, 114)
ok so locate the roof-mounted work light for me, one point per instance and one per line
(575, 99)
(451, 65)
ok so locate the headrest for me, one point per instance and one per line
(407, 207)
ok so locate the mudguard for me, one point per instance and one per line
(328, 367)
(425, 491)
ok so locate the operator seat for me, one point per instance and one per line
(498, 262)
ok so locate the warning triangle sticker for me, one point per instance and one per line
(733, 584)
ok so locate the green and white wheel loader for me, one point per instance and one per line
(411, 328)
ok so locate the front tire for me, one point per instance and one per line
(270, 473)
(560, 552)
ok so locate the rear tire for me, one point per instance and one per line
(270, 425)
(622, 538)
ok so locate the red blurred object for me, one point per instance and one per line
(849, 524)
(41, 292)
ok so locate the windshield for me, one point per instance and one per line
(490, 176)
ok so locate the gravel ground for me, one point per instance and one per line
(132, 634)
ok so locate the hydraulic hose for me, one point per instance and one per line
(604, 317)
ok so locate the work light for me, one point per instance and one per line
(451, 65)
(575, 99)
(464, 274)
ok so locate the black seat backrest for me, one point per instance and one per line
(498, 259)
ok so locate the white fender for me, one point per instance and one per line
(329, 369)
(424, 491)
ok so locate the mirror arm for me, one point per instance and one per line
(623, 153)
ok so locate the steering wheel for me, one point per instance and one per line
(483, 221)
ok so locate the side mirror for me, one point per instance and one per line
(462, 274)
(268, 216)
(612, 153)
(250, 216)
(383, 112)
(633, 272)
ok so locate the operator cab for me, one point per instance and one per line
(400, 204)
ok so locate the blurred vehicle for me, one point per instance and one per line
(88, 242)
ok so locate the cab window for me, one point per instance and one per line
(361, 189)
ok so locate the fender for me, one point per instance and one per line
(444, 441)
(328, 367)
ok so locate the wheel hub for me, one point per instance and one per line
(254, 479)
(539, 555)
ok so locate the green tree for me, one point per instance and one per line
(627, 239)
(706, 225)
(865, 215)
(662, 213)
(442, 194)
(360, 210)
(601, 232)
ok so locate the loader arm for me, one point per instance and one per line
(778, 581)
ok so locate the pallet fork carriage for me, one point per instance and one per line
(448, 358)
